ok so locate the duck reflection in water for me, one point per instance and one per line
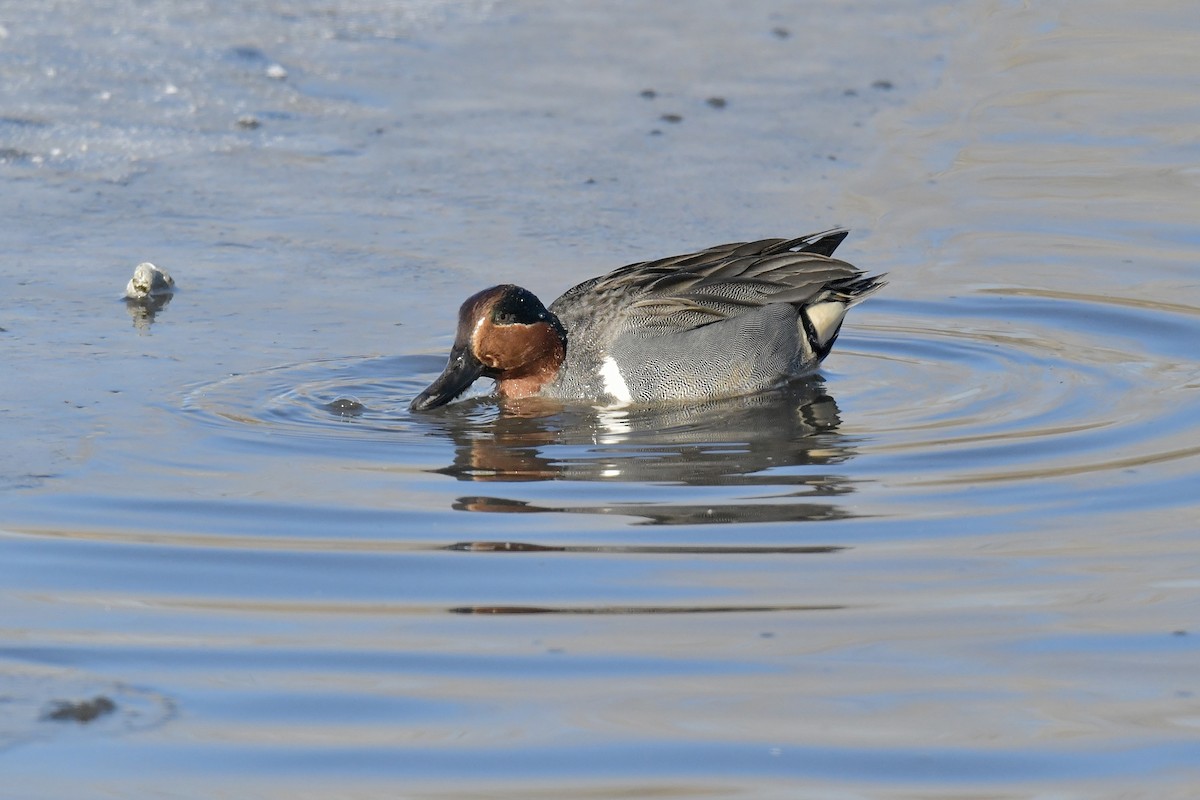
(769, 440)
(143, 312)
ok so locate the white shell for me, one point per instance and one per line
(149, 281)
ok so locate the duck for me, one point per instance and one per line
(730, 320)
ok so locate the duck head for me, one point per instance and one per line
(504, 333)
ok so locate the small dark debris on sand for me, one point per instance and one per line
(649, 94)
(717, 102)
(249, 53)
(674, 119)
(13, 155)
(346, 407)
(81, 711)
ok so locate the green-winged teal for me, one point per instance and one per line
(730, 320)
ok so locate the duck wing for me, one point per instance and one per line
(689, 291)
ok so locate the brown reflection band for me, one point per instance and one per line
(514, 610)
(653, 514)
(526, 547)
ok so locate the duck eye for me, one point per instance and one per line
(505, 318)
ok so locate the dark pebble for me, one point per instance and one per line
(346, 407)
(248, 53)
(81, 711)
(10, 154)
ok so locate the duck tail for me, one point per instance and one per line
(853, 291)
(821, 321)
(821, 244)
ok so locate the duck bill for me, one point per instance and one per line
(461, 371)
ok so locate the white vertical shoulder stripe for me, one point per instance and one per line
(614, 381)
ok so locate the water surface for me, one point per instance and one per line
(959, 562)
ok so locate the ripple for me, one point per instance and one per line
(41, 703)
(354, 397)
(998, 387)
(1010, 387)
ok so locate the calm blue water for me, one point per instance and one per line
(960, 562)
